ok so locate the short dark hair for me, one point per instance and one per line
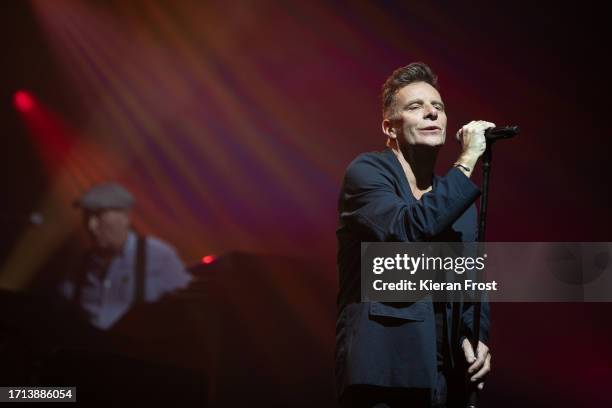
(415, 72)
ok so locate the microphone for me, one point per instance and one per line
(503, 132)
(496, 133)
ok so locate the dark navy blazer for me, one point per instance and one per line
(386, 344)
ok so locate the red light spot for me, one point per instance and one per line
(208, 259)
(23, 101)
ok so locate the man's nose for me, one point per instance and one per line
(430, 112)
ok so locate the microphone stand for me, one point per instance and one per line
(472, 400)
(492, 134)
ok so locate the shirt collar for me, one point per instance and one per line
(128, 247)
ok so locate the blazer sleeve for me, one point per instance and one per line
(370, 203)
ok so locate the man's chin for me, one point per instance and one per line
(430, 143)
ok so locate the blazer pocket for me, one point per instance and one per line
(417, 311)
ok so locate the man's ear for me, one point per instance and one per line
(388, 129)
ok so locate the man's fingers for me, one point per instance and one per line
(485, 124)
(483, 353)
(486, 367)
(458, 135)
(473, 126)
(482, 348)
(481, 366)
(477, 365)
(464, 129)
(468, 351)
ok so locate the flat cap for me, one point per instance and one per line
(105, 196)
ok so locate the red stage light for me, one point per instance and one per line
(23, 101)
(208, 259)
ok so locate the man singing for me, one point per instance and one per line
(408, 354)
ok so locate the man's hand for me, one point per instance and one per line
(473, 143)
(479, 367)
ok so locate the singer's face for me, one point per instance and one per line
(108, 229)
(420, 118)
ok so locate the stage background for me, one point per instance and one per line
(233, 122)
